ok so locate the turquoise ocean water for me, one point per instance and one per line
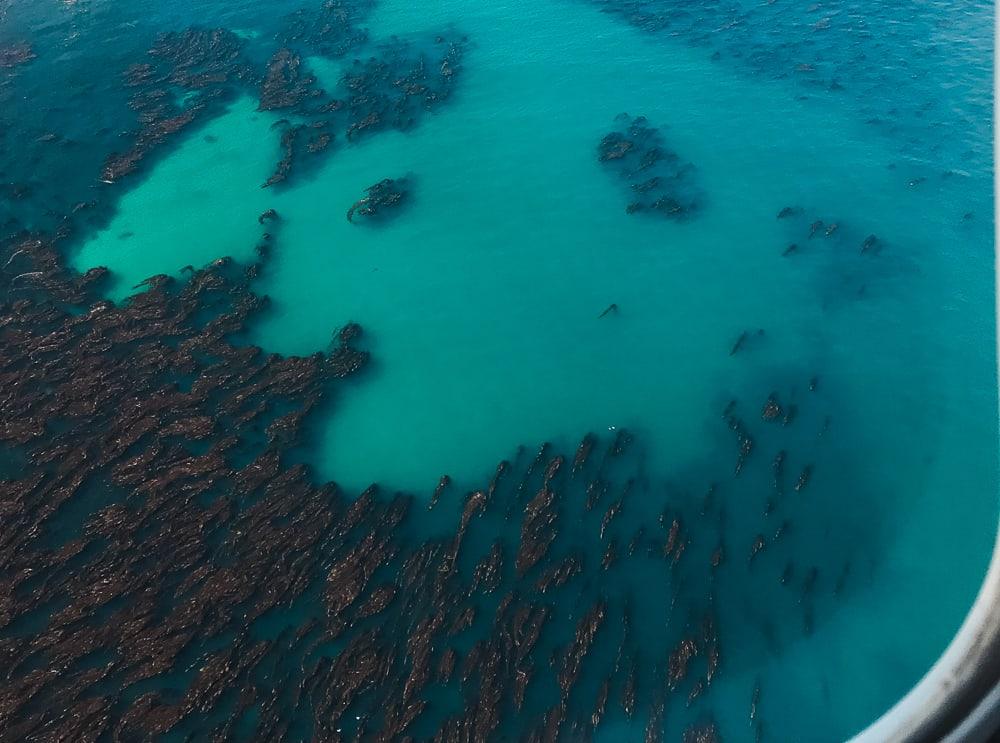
(481, 303)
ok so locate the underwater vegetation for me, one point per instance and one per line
(658, 180)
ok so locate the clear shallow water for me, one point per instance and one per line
(481, 302)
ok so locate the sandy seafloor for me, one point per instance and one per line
(480, 303)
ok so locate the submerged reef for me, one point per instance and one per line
(168, 569)
(658, 181)
(285, 84)
(15, 54)
(329, 28)
(187, 73)
(299, 142)
(392, 89)
(145, 88)
(851, 263)
(388, 195)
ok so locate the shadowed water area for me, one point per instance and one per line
(567, 370)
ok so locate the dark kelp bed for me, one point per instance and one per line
(166, 568)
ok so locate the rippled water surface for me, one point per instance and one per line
(742, 251)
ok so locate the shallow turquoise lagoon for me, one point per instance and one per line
(481, 306)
